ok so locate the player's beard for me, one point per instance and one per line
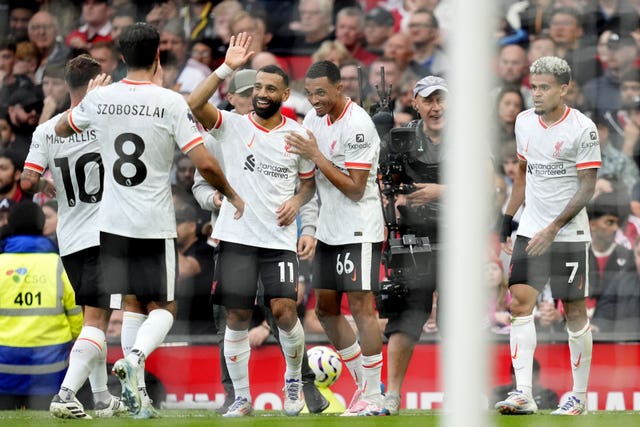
(267, 112)
(4, 189)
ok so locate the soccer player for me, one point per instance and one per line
(137, 125)
(76, 169)
(350, 231)
(262, 244)
(559, 155)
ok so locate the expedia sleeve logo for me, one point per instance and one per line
(593, 135)
(359, 144)
(359, 137)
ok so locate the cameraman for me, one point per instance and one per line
(417, 214)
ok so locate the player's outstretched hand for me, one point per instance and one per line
(238, 52)
(541, 241)
(237, 203)
(101, 79)
(306, 247)
(287, 212)
(307, 146)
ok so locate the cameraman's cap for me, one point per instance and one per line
(381, 17)
(617, 41)
(242, 80)
(428, 85)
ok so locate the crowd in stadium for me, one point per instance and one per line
(384, 50)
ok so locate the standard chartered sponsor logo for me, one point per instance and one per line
(546, 169)
(275, 171)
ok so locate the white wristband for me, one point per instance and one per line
(223, 71)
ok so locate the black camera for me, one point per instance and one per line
(390, 299)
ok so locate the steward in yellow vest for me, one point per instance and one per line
(39, 318)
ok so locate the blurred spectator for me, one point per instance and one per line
(197, 18)
(115, 324)
(184, 173)
(399, 48)
(602, 93)
(223, 12)
(50, 210)
(392, 76)
(44, 33)
(630, 145)
(190, 71)
(6, 206)
(629, 96)
(20, 12)
(10, 82)
(424, 33)
(544, 397)
(10, 171)
(25, 106)
(532, 16)
(608, 258)
(498, 316)
(618, 309)
(574, 97)
(96, 27)
(161, 13)
(349, 31)
(6, 133)
(618, 16)
(27, 60)
(349, 79)
(512, 69)
(379, 25)
(255, 24)
(241, 90)
(331, 50)
(617, 168)
(566, 31)
(121, 19)
(55, 91)
(108, 56)
(540, 46)
(39, 339)
(315, 25)
(208, 52)
(509, 104)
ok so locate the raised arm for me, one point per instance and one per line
(236, 56)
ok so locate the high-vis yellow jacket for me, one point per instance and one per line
(39, 320)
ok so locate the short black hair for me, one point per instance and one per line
(324, 69)
(139, 44)
(274, 69)
(80, 70)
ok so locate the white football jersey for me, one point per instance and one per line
(554, 154)
(264, 173)
(351, 142)
(138, 126)
(76, 169)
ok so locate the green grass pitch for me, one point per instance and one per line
(414, 418)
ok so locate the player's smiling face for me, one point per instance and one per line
(547, 93)
(322, 94)
(269, 92)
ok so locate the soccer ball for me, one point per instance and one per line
(326, 364)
